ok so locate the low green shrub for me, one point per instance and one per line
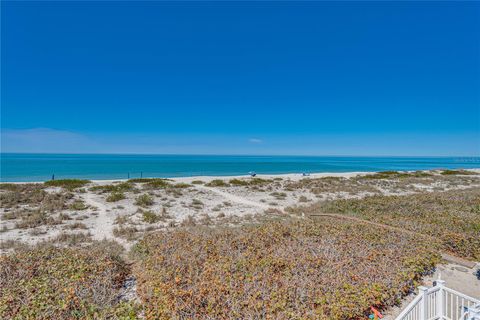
(35, 218)
(144, 200)
(68, 184)
(150, 216)
(9, 186)
(181, 185)
(115, 196)
(47, 282)
(120, 187)
(457, 172)
(153, 183)
(33, 194)
(238, 182)
(396, 175)
(141, 180)
(217, 183)
(259, 181)
(303, 199)
(158, 184)
(76, 225)
(125, 232)
(78, 205)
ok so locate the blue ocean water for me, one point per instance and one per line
(40, 167)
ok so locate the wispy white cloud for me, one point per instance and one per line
(43, 140)
(255, 140)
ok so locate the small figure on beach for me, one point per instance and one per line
(252, 173)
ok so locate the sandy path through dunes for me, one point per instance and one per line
(103, 224)
(234, 198)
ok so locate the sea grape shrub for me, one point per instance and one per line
(283, 270)
(47, 282)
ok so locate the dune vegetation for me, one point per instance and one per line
(193, 253)
(69, 184)
(48, 282)
(451, 218)
(286, 270)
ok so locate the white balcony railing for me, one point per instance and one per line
(441, 303)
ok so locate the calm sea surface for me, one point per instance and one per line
(40, 167)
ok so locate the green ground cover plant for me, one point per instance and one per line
(283, 270)
(48, 282)
(451, 217)
(219, 266)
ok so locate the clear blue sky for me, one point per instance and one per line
(373, 78)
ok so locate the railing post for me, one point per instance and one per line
(440, 299)
(423, 303)
(473, 313)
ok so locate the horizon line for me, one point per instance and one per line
(249, 155)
